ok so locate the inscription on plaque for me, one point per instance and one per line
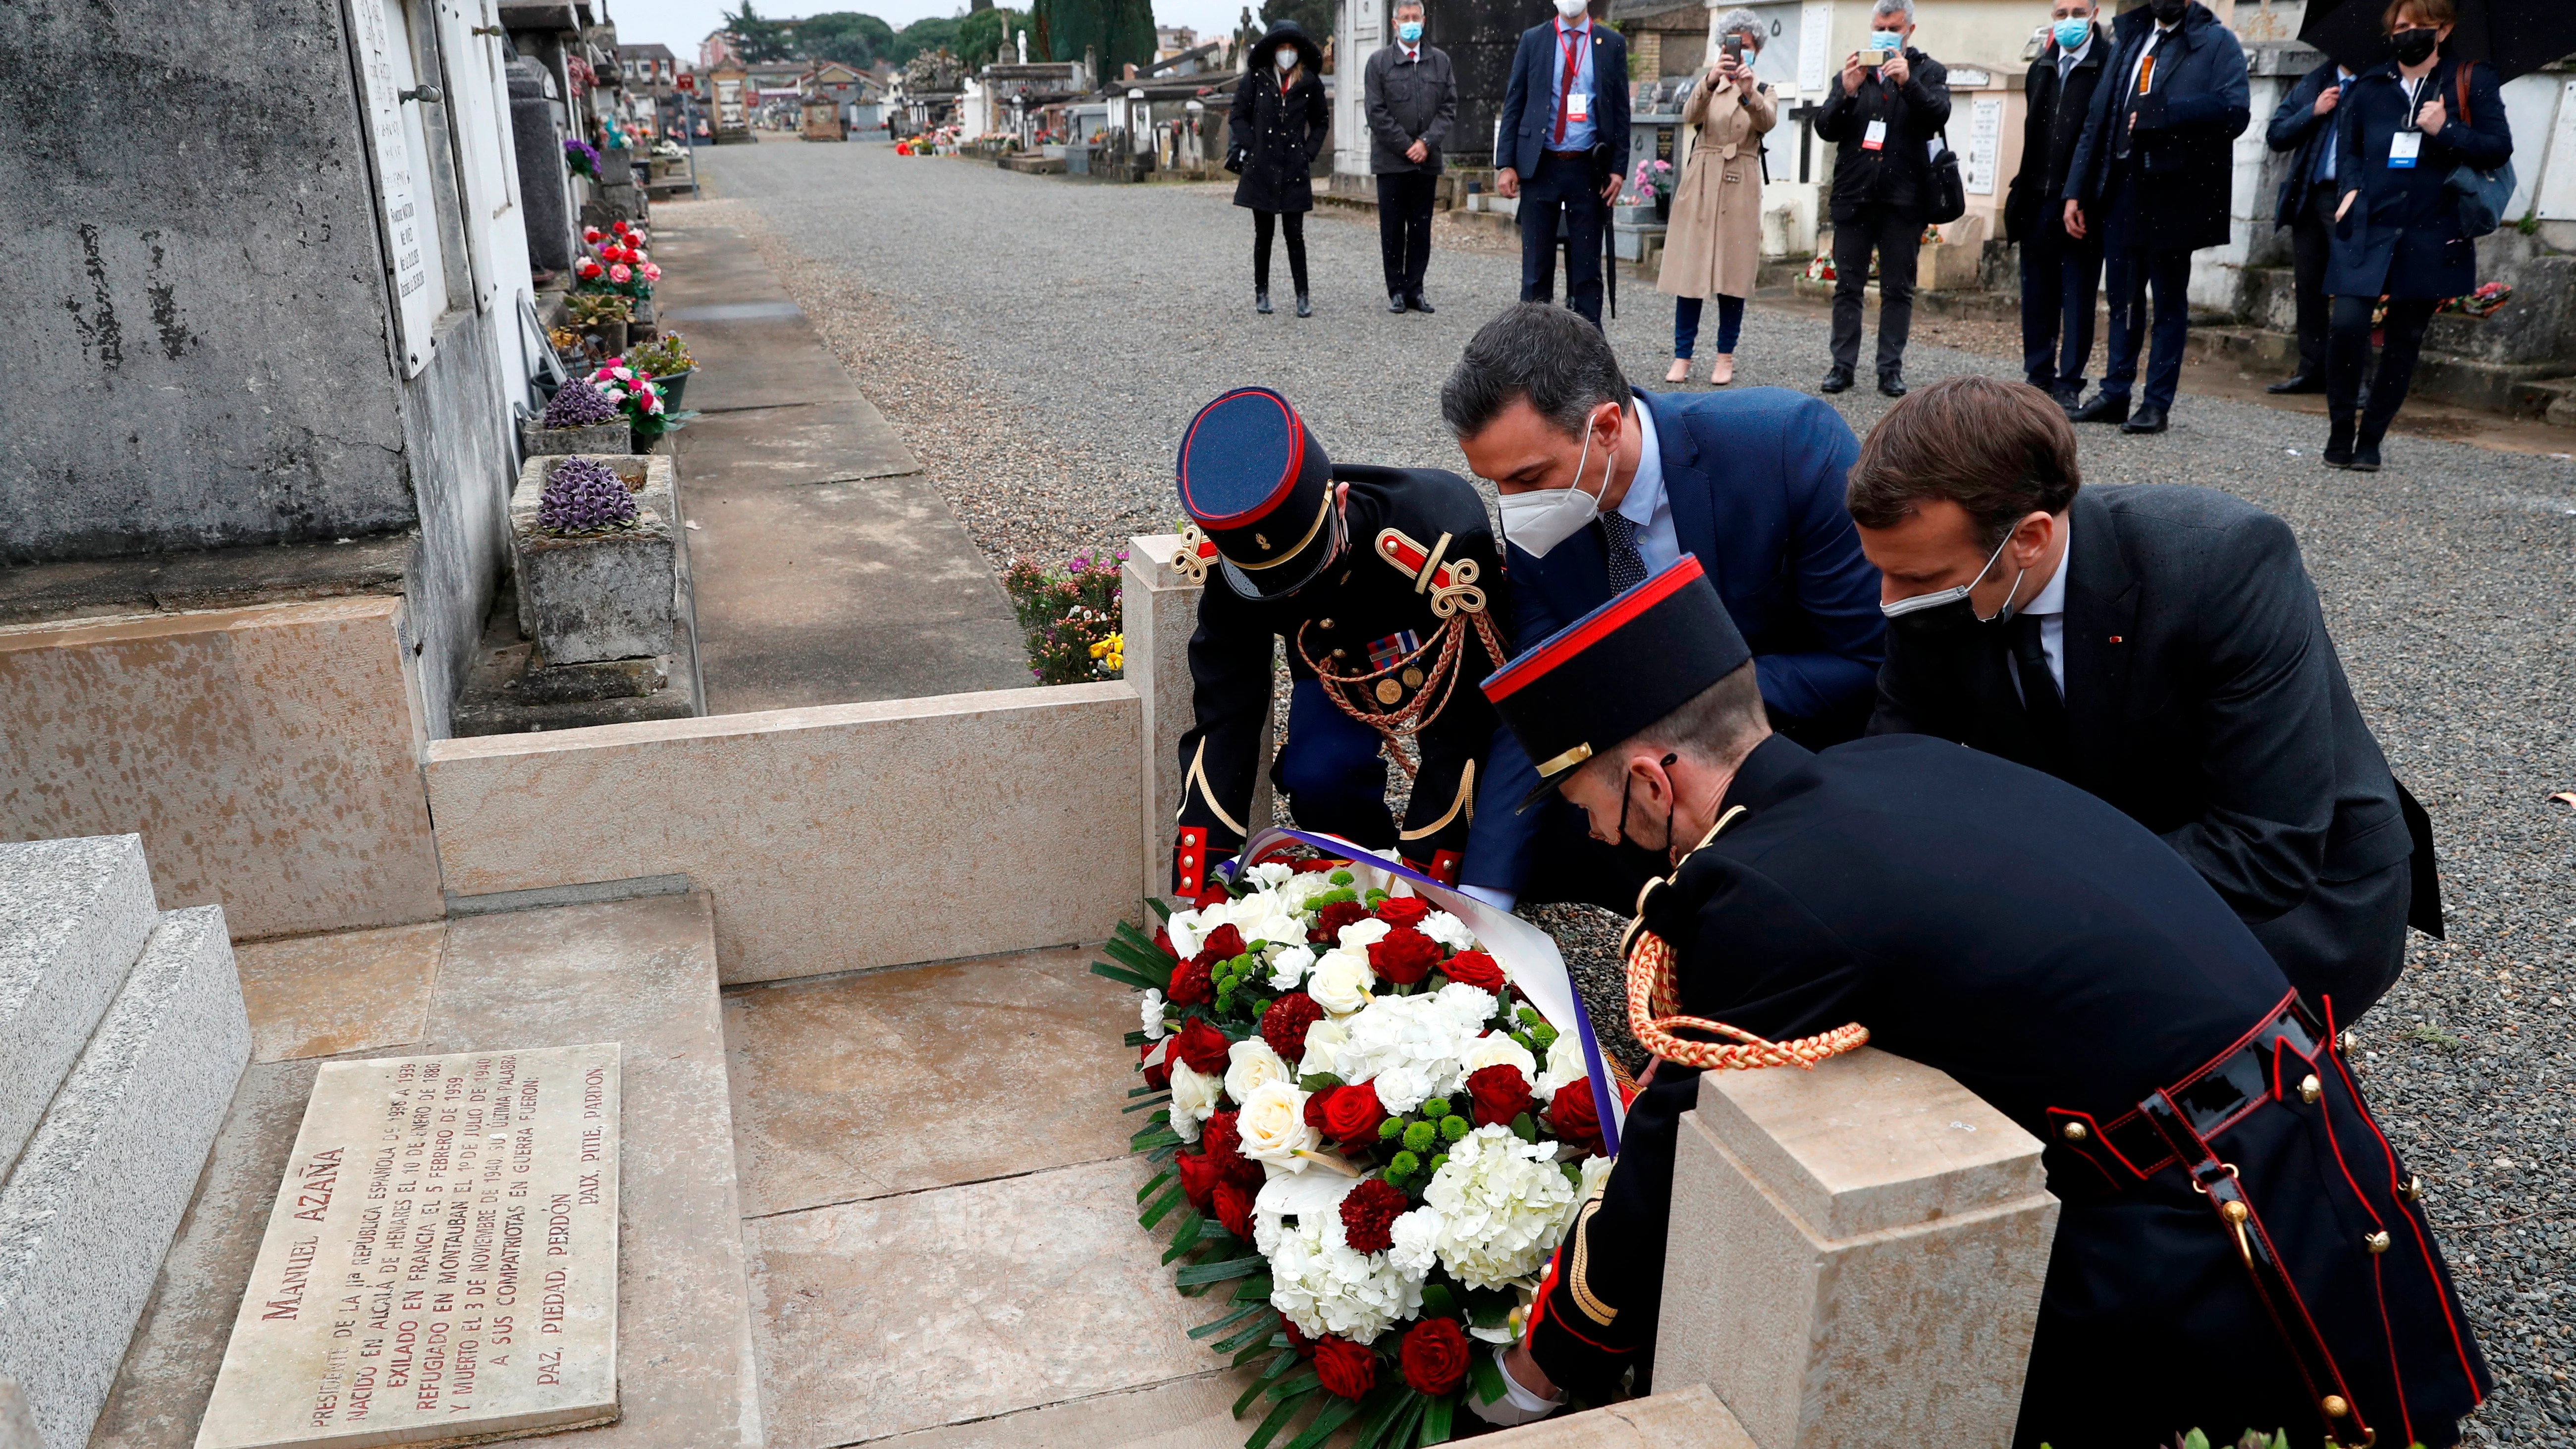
(441, 1264)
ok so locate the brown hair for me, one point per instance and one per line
(2001, 450)
(1719, 725)
(2435, 13)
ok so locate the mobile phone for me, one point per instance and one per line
(1733, 46)
(1872, 59)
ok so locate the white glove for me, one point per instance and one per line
(1517, 1405)
(1500, 900)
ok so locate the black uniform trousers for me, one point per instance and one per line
(2311, 247)
(1896, 234)
(1404, 228)
(1562, 185)
(2061, 277)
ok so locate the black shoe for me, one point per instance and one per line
(1395, 303)
(1891, 384)
(2365, 453)
(1304, 307)
(2067, 399)
(1261, 301)
(2147, 419)
(1837, 380)
(2302, 382)
(2106, 407)
(1421, 304)
(2338, 452)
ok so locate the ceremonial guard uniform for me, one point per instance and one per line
(2239, 1247)
(1387, 590)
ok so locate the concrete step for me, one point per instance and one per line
(73, 916)
(99, 1191)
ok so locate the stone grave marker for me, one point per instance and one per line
(441, 1264)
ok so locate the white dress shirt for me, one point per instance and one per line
(1646, 504)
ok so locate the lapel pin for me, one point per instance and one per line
(2115, 638)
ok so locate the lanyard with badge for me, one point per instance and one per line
(2407, 143)
(1578, 104)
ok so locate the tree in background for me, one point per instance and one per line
(758, 40)
(1315, 17)
(853, 39)
(1122, 32)
(984, 32)
(930, 33)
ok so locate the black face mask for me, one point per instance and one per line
(2168, 11)
(2414, 45)
(1625, 783)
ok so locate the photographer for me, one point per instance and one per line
(1713, 244)
(1883, 111)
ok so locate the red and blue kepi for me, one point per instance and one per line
(1258, 485)
(1611, 673)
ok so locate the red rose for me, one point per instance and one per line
(1203, 1047)
(1223, 1140)
(1191, 985)
(1403, 955)
(1576, 1121)
(1222, 944)
(1403, 910)
(1329, 921)
(1368, 1211)
(1346, 1368)
(1297, 1339)
(1434, 1356)
(1158, 1073)
(1499, 1092)
(1350, 1114)
(1233, 1209)
(1199, 1177)
(1215, 895)
(1474, 968)
(1284, 1025)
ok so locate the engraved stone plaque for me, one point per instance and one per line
(441, 1264)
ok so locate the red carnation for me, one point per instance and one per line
(1192, 985)
(1500, 1093)
(1223, 1140)
(1403, 910)
(1346, 1368)
(1329, 922)
(1233, 1206)
(1474, 968)
(1199, 1177)
(1434, 1356)
(1222, 944)
(1403, 955)
(1369, 1212)
(1574, 1118)
(1203, 1047)
(1158, 1074)
(1284, 1025)
(1350, 1114)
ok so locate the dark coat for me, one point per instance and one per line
(1755, 477)
(1529, 98)
(2053, 957)
(1278, 136)
(2181, 157)
(2296, 126)
(1899, 174)
(2203, 699)
(2050, 127)
(2402, 237)
(1408, 101)
(1359, 599)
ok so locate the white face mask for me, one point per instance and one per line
(1287, 57)
(1571, 9)
(1539, 519)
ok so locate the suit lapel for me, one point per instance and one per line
(1685, 486)
(2101, 639)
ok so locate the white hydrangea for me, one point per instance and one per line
(1564, 1064)
(1448, 930)
(1302, 888)
(1194, 1099)
(1503, 1207)
(1151, 1009)
(1340, 982)
(1420, 1032)
(1323, 1286)
(1250, 1065)
(1401, 1088)
(1324, 1042)
(1289, 966)
(1417, 1242)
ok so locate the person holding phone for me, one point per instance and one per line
(2407, 126)
(1882, 114)
(1713, 238)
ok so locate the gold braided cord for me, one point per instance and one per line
(1441, 675)
(1653, 1007)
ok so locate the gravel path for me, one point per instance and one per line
(1043, 341)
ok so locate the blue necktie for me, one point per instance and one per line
(1627, 566)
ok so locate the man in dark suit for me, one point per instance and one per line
(2237, 1244)
(2157, 645)
(2305, 126)
(1411, 98)
(2151, 176)
(1564, 146)
(1749, 482)
(2060, 274)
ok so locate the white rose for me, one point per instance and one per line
(1272, 874)
(1251, 1064)
(1400, 1089)
(1194, 1098)
(1564, 1064)
(1358, 935)
(1289, 967)
(1417, 1242)
(1324, 1042)
(1185, 928)
(1273, 1124)
(1152, 1011)
(1448, 930)
(1497, 1050)
(1340, 982)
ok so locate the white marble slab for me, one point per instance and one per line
(441, 1263)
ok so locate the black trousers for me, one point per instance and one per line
(2348, 352)
(2311, 245)
(1293, 223)
(1563, 185)
(1896, 234)
(1404, 227)
(2060, 278)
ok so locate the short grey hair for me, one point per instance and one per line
(1537, 351)
(1893, 7)
(1404, 5)
(1740, 21)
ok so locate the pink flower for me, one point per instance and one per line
(652, 273)
(621, 272)
(592, 234)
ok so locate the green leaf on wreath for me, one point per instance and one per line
(1277, 1367)
(1257, 1288)
(1275, 1421)
(1162, 909)
(1259, 1333)
(1222, 1324)
(1153, 1135)
(1246, 1355)
(1379, 1410)
(1219, 1272)
(1437, 1301)
(1435, 1420)
(1134, 1039)
(1160, 1210)
(1186, 1236)
(1317, 1081)
(1148, 1189)
(1399, 1430)
(1296, 1383)
(1335, 1415)
(1141, 1106)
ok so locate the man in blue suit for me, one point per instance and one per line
(1603, 485)
(1567, 102)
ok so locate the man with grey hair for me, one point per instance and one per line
(1750, 482)
(1411, 100)
(1882, 114)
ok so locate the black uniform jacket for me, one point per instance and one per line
(1898, 175)
(1359, 600)
(2402, 237)
(2182, 152)
(2049, 131)
(2049, 954)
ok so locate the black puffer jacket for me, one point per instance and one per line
(1278, 136)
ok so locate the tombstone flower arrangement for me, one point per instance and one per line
(638, 396)
(617, 262)
(1366, 1130)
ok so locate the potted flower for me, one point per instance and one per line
(640, 398)
(1653, 182)
(594, 544)
(601, 317)
(579, 418)
(580, 158)
(668, 363)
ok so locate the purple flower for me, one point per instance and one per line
(584, 497)
(577, 404)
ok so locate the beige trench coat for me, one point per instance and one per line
(1713, 242)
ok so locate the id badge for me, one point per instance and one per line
(2403, 148)
(1875, 138)
(1578, 106)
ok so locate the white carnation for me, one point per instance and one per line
(1448, 930)
(1194, 1099)
(1471, 1007)
(1251, 1064)
(1400, 1089)
(1497, 1050)
(1564, 1064)
(1359, 934)
(1151, 1009)
(1289, 967)
(1273, 1124)
(1323, 1286)
(1340, 982)
(1324, 1042)
(1503, 1207)
(1417, 1242)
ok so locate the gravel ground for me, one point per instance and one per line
(1043, 341)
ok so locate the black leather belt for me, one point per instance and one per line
(1571, 155)
(2211, 1100)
